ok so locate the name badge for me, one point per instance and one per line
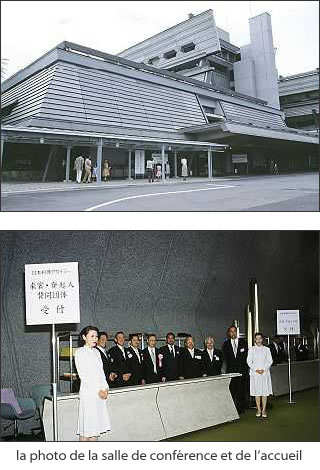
(217, 358)
(197, 357)
(242, 350)
(129, 355)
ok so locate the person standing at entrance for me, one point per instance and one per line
(120, 362)
(78, 167)
(235, 351)
(106, 170)
(87, 170)
(212, 358)
(93, 418)
(150, 171)
(152, 361)
(260, 360)
(167, 170)
(158, 172)
(184, 168)
(171, 359)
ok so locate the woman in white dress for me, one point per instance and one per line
(93, 418)
(259, 360)
(184, 168)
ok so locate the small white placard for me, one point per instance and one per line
(241, 158)
(52, 293)
(288, 322)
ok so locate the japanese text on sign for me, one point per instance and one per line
(288, 322)
(52, 293)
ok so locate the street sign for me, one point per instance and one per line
(288, 322)
(52, 293)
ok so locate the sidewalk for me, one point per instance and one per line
(26, 187)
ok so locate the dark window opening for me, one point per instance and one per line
(8, 108)
(170, 54)
(208, 109)
(188, 47)
(154, 60)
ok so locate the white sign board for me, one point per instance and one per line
(241, 158)
(52, 293)
(157, 157)
(288, 322)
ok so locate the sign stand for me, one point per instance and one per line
(54, 384)
(288, 323)
(289, 374)
(52, 298)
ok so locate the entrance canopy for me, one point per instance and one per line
(71, 138)
(130, 142)
(249, 134)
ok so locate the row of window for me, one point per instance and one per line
(171, 54)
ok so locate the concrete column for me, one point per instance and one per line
(68, 164)
(99, 160)
(129, 165)
(175, 164)
(212, 163)
(163, 164)
(2, 147)
(209, 164)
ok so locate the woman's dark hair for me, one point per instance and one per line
(258, 334)
(85, 331)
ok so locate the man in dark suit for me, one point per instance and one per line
(191, 360)
(171, 359)
(235, 352)
(212, 358)
(152, 361)
(135, 360)
(120, 364)
(106, 358)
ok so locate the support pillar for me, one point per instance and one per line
(99, 160)
(46, 169)
(175, 164)
(2, 147)
(163, 164)
(67, 180)
(209, 164)
(129, 165)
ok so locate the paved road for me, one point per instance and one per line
(299, 192)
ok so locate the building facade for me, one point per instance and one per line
(299, 99)
(75, 100)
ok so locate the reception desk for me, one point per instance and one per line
(304, 375)
(152, 412)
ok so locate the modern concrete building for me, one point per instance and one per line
(75, 100)
(198, 48)
(299, 99)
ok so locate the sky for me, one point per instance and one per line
(30, 29)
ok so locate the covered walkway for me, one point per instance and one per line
(95, 143)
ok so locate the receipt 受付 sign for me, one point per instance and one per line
(288, 322)
(52, 293)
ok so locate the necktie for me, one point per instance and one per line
(171, 351)
(137, 353)
(153, 356)
(234, 347)
(210, 354)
